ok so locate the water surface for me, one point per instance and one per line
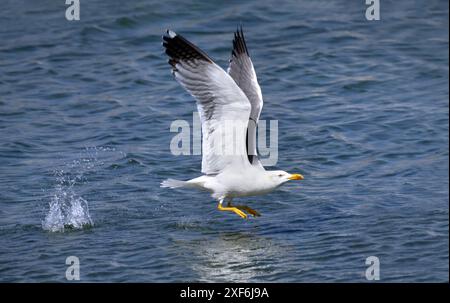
(85, 111)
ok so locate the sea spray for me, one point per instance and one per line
(67, 209)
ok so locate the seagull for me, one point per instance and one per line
(229, 104)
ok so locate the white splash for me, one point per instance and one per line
(67, 211)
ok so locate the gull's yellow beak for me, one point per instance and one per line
(296, 177)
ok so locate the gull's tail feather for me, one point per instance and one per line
(172, 183)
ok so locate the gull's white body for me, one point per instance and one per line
(223, 97)
(230, 184)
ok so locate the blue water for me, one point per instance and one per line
(85, 111)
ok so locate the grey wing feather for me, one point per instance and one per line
(219, 101)
(243, 73)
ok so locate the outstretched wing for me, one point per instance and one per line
(223, 107)
(243, 73)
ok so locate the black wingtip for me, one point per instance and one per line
(239, 44)
(179, 49)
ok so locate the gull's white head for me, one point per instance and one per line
(279, 176)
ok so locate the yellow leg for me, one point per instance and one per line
(233, 209)
(251, 211)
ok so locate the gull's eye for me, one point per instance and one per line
(280, 175)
